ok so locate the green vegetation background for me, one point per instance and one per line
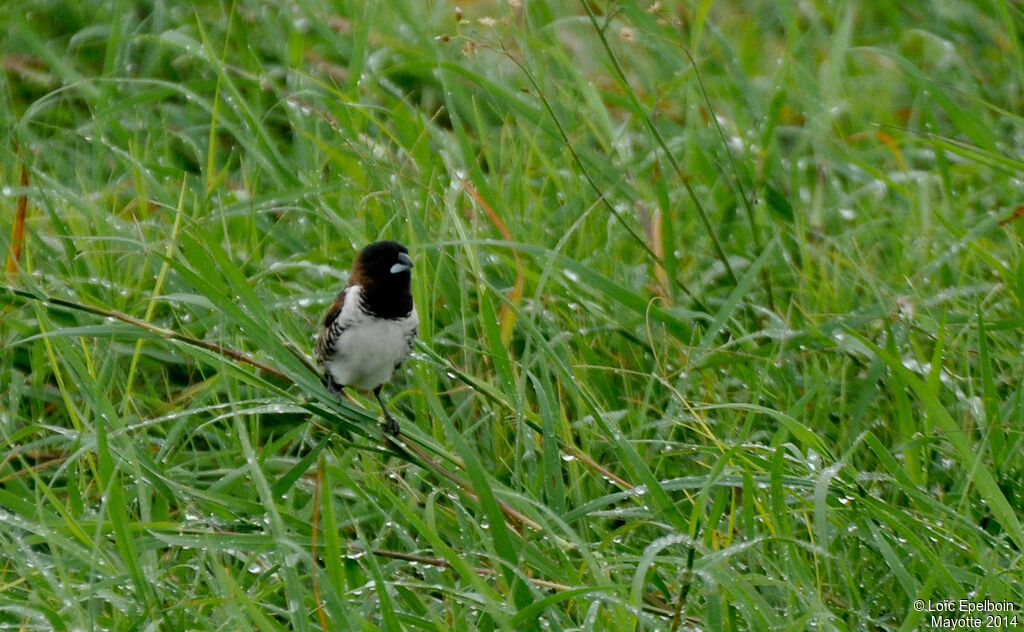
(721, 314)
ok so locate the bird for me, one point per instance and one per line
(370, 328)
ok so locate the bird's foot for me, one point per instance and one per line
(391, 426)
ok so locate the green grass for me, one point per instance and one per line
(721, 311)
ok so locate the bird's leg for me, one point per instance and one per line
(337, 389)
(390, 425)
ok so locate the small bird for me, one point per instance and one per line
(370, 328)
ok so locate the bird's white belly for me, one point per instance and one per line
(366, 353)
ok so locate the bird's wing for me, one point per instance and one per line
(328, 332)
(335, 308)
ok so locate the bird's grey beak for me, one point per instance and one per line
(404, 264)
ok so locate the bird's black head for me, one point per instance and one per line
(382, 269)
(381, 260)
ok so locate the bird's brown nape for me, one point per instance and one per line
(359, 275)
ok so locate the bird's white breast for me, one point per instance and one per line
(368, 350)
